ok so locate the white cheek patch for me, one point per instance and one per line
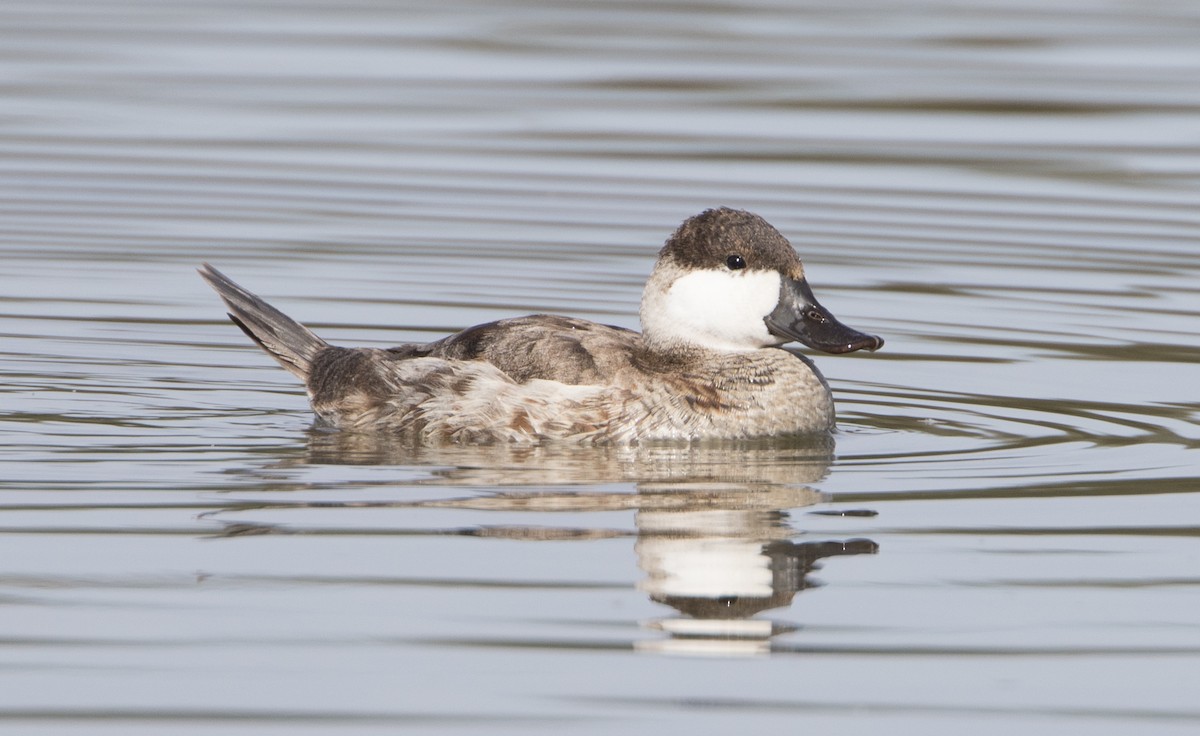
(723, 310)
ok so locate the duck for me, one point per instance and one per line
(726, 294)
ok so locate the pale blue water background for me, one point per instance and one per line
(1008, 192)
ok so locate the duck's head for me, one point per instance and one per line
(727, 280)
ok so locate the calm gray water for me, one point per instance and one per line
(1003, 538)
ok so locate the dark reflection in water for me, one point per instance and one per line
(791, 460)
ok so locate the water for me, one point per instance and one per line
(1003, 537)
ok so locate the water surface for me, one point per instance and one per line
(1001, 536)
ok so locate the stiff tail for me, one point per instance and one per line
(287, 341)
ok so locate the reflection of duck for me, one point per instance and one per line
(713, 538)
(729, 466)
(726, 292)
(720, 568)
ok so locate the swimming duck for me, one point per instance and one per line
(726, 292)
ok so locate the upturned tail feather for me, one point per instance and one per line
(290, 343)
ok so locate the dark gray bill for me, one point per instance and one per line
(800, 317)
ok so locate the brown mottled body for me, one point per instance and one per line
(546, 377)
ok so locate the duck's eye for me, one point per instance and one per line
(735, 262)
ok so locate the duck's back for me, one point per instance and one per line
(504, 380)
(541, 346)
